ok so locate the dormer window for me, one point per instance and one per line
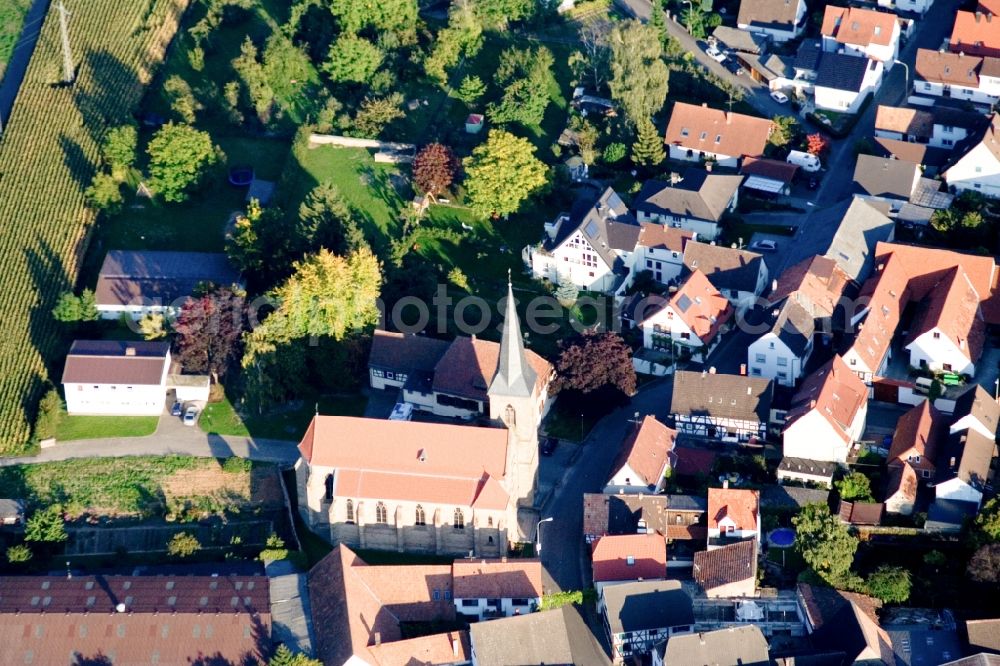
(704, 135)
(684, 131)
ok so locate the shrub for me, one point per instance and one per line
(614, 152)
(104, 193)
(46, 526)
(18, 554)
(183, 544)
(50, 413)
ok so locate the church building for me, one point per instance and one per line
(428, 487)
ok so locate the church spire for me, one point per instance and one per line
(515, 377)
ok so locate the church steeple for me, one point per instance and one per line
(515, 377)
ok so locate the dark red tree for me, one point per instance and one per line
(816, 144)
(435, 168)
(984, 567)
(209, 331)
(595, 361)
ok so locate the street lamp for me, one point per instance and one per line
(538, 534)
(690, 12)
(906, 80)
(996, 388)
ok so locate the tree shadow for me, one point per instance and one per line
(104, 82)
(79, 166)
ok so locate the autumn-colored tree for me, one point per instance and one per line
(816, 144)
(984, 567)
(434, 168)
(595, 361)
(502, 173)
(208, 331)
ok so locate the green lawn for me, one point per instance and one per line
(219, 418)
(789, 558)
(11, 19)
(92, 427)
(570, 425)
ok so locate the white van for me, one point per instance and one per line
(807, 161)
(402, 411)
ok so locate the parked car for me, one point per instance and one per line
(779, 97)
(807, 161)
(715, 54)
(732, 65)
(177, 409)
(764, 245)
(191, 416)
(549, 445)
(402, 411)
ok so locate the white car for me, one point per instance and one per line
(402, 411)
(191, 416)
(715, 54)
(779, 97)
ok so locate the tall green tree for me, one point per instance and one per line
(50, 414)
(461, 39)
(498, 14)
(890, 584)
(353, 59)
(648, 147)
(285, 657)
(398, 16)
(46, 526)
(71, 308)
(825, 543)
(255, 80)
(104, 193)
(855, 487)
(502, 173)
(179, 158)
(324, 221)
(181, 98)
(118, 149)
(525, 76)
(638, 74)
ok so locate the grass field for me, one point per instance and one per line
(219, 418)
(92, 427)
(11, 19)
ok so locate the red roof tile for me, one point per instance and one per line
(918, 433)
(468, 367)
(834, 392)
(853, 25)
(497, 579)
(952, 307)
(739, 505)
(662, 237)
(817, 284)
(646, 552)
(701, 307)
(692, 462)
(976, 33)
(723, 566)
(646, 450)
(773, 169)
(713, 130)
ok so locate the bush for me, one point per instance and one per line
(575, 597)
(104, 193)
(50, 413)
(183, 544)
(18, 554)
(71, 309)
(890, 584)
(236, 465)
(614, 152)
(46, 526)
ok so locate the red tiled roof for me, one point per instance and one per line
(737, 134)
(739, 505)
(989, 6)
(834, 392)
(723, 566)
(692, 462)
(817, 284)
(451, 647)
(948, 68)
(701, 307)
(660, 236)
(694, 532)
(646, 450)
(853, 25)
(648, 553)
(497, 579)
(773, 169)
(861, 513)
(952, 307)
(116, 362)
(918, 433)
(468, 367)
(976, 33)
(902, 482)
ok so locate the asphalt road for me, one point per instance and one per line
(565, 561)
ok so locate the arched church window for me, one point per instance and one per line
(421, 518)
(510, 416)
(380, 514)
(459, 522)
(350, 511)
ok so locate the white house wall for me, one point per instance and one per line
(704, 228)
(681, 153)
(813, 437)
(956, 489)
(936, 354)
(115, 399)
(574, 261)
(764, 356)
(977, 171)
(980, 95)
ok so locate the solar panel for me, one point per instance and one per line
(591, 229)
(683, 303)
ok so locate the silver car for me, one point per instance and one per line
(191, 416)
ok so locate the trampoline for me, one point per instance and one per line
(783, 537)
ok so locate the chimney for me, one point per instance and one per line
(725, 484)
(812, 404)
(120, 608)
(454, 647)
(743, 369)
(130, 351)
(378, 638)
(675, 178)
(704, 105)
(774, 285)
(951, 463)
(504, 559)
(749, 391)
(711, 370)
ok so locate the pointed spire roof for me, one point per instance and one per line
(515, 377)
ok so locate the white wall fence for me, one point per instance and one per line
(386, 151)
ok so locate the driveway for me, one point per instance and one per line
(563, 549)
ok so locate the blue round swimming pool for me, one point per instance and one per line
(783, 537)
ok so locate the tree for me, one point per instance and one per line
(614, 152)
(399, 16)
(944, 220)
(825, 543)
(353, 59)
(972, 219)
(461, 39)
(648, 147)
(984, 566)
(18, 554)
(254, 79)
(594, 37)
(525, 76)
(785, 129)
(326, 220)
(179, 158)
(181, 98)
(638, 74)
(104, 193)
(586, 142)
(471, 89)
(375, 113)
(208, 331)
(118, 149)
(50, 413)
(502, 173)
(595, 361)
(817, 144)
(71, 308)
(890, 584)
(183, 544)
(46, 526)
(500, 13)
(855, 487)
(986, 527)
(435, 168)
(285, 657)
(152, 327)
(286, 67)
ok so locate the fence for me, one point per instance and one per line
(153, 538)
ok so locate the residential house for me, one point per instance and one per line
(485, 589)
(660, 250)
(975, 33)
(732, 646)
(975, 410)
(360, 612)
(398, 358)
(844, 81)
(963, 467)
(638, 616)
(913, 455)
(805, 470)
(643, 464)
(828, 414)
(142, 619)
(781, 354)
(728, 407)
(691, 322)
(694, 201)
(958, 76)
(743, 41)
(984, 635)
(733, 515)
(781, 20)
(627, 558)
(844, 622)
(885, 179)
(730, 571)
(677, 518)
(699, 132)
(913, 6)
(938, 127)
(806, 65)
(947, 332)
(558, 636)
(977, 168)
(589, 247)
(768, 178)
(739, 275)
(861, 32)
(819, 285)
(136, 283)
(116, 378)
(11, 512)
(861, 513)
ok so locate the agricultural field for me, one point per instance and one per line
(11, 20)
(48, 156)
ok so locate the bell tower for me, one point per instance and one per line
(516, 403)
